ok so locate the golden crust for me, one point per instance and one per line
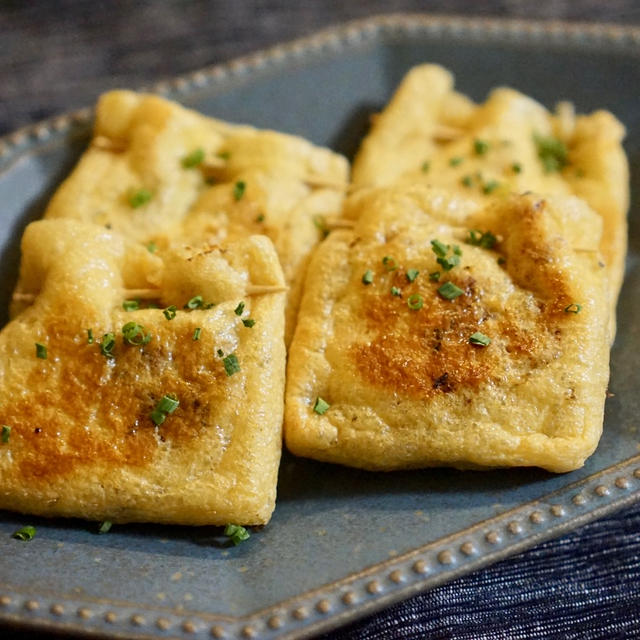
(82, 442)
(140, 142)
(406, 388)
(402, 140)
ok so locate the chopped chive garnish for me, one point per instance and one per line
(454, 162)
(6, 432)
(450, 262)
(89, 336)
(516, 167)
(389, 263)
(107, 344)
(449, 291)
(220, 353)
(426, 165)
(574, 307)
(457, 250)
(439, 248)
(231, 364)
(412, 274)
(131, 305)
(167, 405)
(502, 260)
(248, 322)
(467, 181)
(395, 291)
(480, 147)
(170, 312)
(490, 187)
(239, 309)
(236, 533)
(434, 276)
(552, 152)
(479, 339)
(367, 278)
(134, 334)
(321, 224)
(139, 197)
(196, 333)
(152, 247)
(321, 406)
(194, 303)
(104, 527)
(415, 302)
(193, 159)
(41, 351)
(238, 189)
(224, 155)
(25, 534)
(485, 240)
(260, 217)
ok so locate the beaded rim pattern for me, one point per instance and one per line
(401, 576)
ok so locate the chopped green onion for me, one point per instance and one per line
(131, 305)
(395, 291)
(574, 307)
(457, 250)
(412, 274)
(6, 432)
(167, 405)
(89, 336)
(25, 534)
(450, 262)
(426, 165)
(195, 303)
(193, 159)
(236, 533)
(224, 155)
(552, 152)
(134, 334)
(248, 322)
(449, 291)
(467, 181)
(485, 240)
(516, 167)
(434, 276)
(454, 162)
(220, 353)
(41, 351)
(104, 527)
(480, 147)
(139, 197)
(367, 278)
(439, 248)
(260, 217)
(321, 224)
(479, 339)
(152, 247)
(170, 312)
(389, 263)
(196, 333)
(321, 406)
(231, 364)
(415, 302)
(238, 189)
(107, 344)
(490, 187)
(239, 309)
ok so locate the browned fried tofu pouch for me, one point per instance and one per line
(86, 436)
(494, 356)
(431, 134)
(159, 173)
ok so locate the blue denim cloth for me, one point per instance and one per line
(585, 585)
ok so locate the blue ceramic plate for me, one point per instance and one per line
(342, 542)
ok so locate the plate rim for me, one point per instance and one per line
(382, 584)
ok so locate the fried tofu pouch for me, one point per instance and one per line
(390, 351)
(431, 134)
(157, 172)
(83, 441)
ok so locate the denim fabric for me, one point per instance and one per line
(585, 585)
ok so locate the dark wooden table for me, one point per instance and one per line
(60, 55)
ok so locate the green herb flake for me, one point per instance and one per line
(239, 189)
(552, 153)
(490, 186)
(104, 527)
(139, 198)
(454, 162)
(134, 334)
(196, 333)
(89, 336)
(389, 263)
(224, 155)
(131, 305)
(485, 240)
(479, 339)
(415, 302)
(480, 147)
(516, 167)
(193, 159)
(574, 307)
(426, 165)
(197, 302)
(260, 217)
(239, 309)
(367, 277)
(449, 291)
(439, 248)
(321, 406)
(236, 533)
(248, 322)
(107, 344)
(152, 247)
(170, 312)
(412, 274)
(166, 406)
(41, 351)
(6, 433)
(320, 223)
(25, 534)
(395, 291)
(434, 276)
(231, 364)
(220, 353)
(449, 263)
(467, 181)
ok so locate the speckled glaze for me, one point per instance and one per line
(342, 542)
